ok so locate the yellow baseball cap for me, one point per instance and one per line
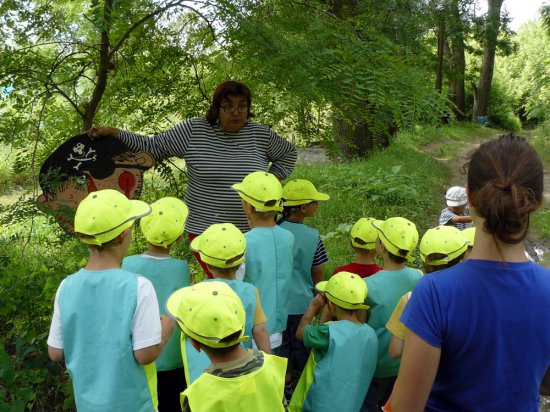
(166, 222)
(300, 192)
(446, 240)
(221, 245)
(363, 234)
(470, 235)
(397, 233)
(208, 312)
(345, 289)
(262, 190)
(105, 214)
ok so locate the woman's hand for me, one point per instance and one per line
(98, 131)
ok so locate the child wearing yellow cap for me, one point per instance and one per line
(162, 229)
(343, 353)
(106, 321)
(363, 241)
(440, 248)
(212, 316)
(269, 247)
(222, 248)
(301, 200)
(397, 240)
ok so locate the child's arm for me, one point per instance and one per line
(55, 354)
(150, 330)
(317, 303)
(148, 355)
(317, 274)
(396, 347)
(461, 219)
(261, 338)
(259, 331)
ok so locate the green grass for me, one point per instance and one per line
(400, 181)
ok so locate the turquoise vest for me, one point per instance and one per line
(385, 290)
(196, 362)
(301, 285)
(269, 267)
(167, 275)
(339, 380)
(97, 310)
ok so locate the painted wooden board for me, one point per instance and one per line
(80, 166)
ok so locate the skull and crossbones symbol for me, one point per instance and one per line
(82, 155)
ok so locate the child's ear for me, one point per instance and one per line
(303, 208)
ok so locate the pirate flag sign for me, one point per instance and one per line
(80, 166)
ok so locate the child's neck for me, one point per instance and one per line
(351, 317)
(391, 265)
(227, 276)
(364, 259)
(296, 217)
(104, 260)
(234, 355)
(257, 221)
(158, 250)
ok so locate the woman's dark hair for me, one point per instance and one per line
(222, 91)
(505, 180)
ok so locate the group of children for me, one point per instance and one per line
(266, 333)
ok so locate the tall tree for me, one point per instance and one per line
(483, 88)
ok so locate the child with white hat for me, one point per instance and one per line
(212, 316)
(269, 248)
(397, 240)
(456, 213)
(106, 321)
(163, 228)
(343, 353)
(363, 241)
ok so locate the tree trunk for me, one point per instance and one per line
(440, 48)
(481, 98)
(457, 63)
(102, 70)
(353, 137)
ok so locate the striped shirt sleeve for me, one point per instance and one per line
(320, 256)
(283, 155)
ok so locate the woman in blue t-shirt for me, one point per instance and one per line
(478, 334)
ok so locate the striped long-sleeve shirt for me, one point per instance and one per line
(215, 160)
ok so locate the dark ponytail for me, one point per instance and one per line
(505, 179)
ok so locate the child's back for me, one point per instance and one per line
(106, 320)
(269, 266)
(344, 352)
(305, 245)
(86, 297)
(163, 228)
(167, 274)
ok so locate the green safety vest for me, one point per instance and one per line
(268, 266)
(195, 362)
(258, 391)
(339, 380)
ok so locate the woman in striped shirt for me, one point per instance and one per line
(219, 150)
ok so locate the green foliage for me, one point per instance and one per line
(524, 76)
(500, 110)
(34, 265)
(400, 181)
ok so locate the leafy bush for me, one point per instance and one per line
(500, 110)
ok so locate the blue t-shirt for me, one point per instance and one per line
(491, 321)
